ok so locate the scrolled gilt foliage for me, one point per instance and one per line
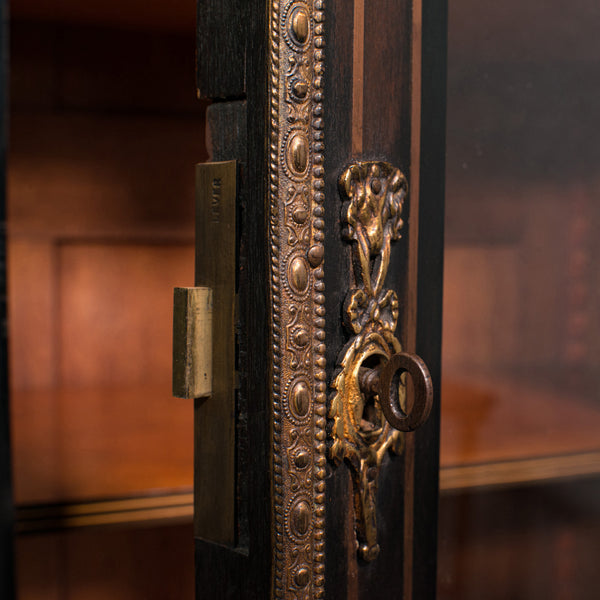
(373, 196)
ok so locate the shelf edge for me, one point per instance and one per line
(531, 470)
(168, 508)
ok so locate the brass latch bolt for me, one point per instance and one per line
(192, 342)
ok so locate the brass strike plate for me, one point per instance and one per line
(192, 342)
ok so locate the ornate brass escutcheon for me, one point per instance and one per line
(371, 407)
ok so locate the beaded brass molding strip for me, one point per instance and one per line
(296, 235)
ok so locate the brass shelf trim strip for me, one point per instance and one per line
(510, 472)
(40, 518)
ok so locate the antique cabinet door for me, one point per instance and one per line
(319, 232)
(6, 515)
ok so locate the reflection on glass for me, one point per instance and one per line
(105, 130)
(100, 223)
(521, 347)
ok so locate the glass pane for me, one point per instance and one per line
(105, 131)
(134, 563)
(521, 348)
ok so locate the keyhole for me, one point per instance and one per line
(371, 418)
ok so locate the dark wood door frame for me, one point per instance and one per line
(6, 507)
(363, 62)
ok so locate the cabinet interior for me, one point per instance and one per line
(520, 443)
(105, 130)
(520, 342)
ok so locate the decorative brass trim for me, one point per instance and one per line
(527, 470)
(177, 507)
(296, 232)
(373, 194)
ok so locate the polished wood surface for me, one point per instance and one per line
(91, 443)
(135, 563)
(521, 358)
(157, 507)
(498, 431)
(116, 127)
(492, 419)
(366, 49)
(382, 103)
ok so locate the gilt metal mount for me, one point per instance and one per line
(369, 407)
(297, 255)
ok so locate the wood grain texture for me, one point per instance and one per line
(63, 451)
(341, 570)
(521, 471)
(33, 292)
(519, 277)
(223, 35)
(101, 368)
(358, 77)
(109, 176)
(410, 320)
(156, 509)
(386, 135)
(387, 81)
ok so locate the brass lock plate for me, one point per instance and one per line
(214, 417)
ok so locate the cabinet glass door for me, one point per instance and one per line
(520, 458)
(105, 130)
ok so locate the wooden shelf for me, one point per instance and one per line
(501, 432)
(76, 445)
(171, 508)
(520, 471)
